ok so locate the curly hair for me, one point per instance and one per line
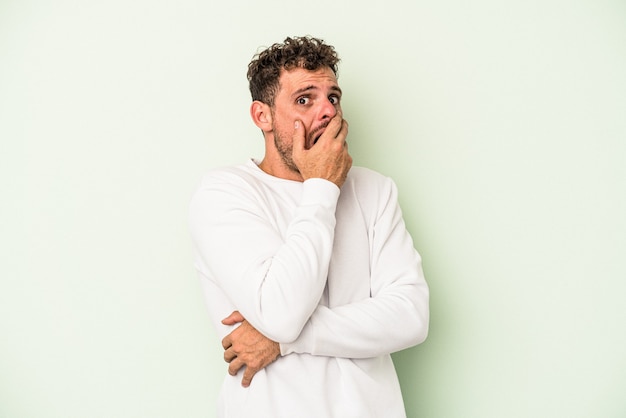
(299, 52)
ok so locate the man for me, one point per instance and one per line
(308, 270)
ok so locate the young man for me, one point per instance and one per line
(308, 270)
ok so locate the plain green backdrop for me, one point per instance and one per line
(502, 122)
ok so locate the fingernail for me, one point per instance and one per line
(297, 124)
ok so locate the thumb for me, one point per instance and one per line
(298, 136)
(233, 318)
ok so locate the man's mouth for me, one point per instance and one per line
(318, 134)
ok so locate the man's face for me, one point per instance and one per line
(313, 97)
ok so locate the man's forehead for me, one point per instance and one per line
(297, 77)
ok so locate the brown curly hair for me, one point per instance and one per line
(299, 52)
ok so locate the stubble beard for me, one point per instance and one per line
(285, 146)
(285, 150)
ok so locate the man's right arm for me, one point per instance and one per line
(275, 281)
(274, 277)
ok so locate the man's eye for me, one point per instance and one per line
(334, 99)
(303, 100)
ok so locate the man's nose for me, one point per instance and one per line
(329, 110)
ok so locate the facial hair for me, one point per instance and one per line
(285, 147)
(285, 150)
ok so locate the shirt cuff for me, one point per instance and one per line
(302, 344)
(317, 191)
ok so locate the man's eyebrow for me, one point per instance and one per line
(336, 89)
(304, 90)
(313, 87)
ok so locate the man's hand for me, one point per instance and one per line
(246, 346)
(327, 158)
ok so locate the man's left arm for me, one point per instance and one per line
(395, 317)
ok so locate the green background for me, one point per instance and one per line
(502, 122)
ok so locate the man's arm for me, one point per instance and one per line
(274, 274)
(396, 315)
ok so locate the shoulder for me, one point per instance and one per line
(364, 172)
(235, 180)
(229, 174)
(224, 186)
(367, 181)
(372, 191)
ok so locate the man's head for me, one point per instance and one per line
(294, 83)
(299, 52)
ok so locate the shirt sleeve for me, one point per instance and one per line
(395, 317)
(274, 279)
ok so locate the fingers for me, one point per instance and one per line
(248, 374)
(342, 126)
(328, 158)
(229, 354)
(227, 342)
(234, 367)
(298, 136)
(248, 351)
(336, 129)
(235, 364)
(343, 132)
(233, 318)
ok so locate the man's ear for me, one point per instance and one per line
(261, 115)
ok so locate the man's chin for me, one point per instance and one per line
(313, 140)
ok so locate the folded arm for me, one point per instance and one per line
(394, 317)
(274, 278)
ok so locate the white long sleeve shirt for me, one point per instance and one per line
(330, 274)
